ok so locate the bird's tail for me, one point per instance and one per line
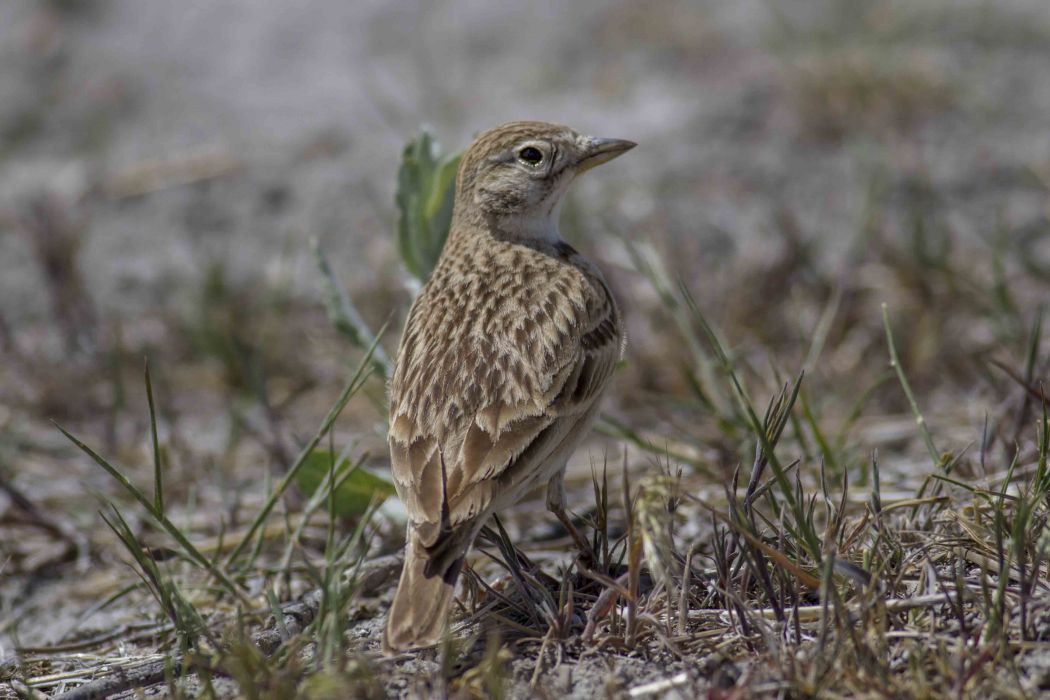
(418, 616)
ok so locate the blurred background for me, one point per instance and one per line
(164, 168)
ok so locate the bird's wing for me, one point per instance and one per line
(473, 398)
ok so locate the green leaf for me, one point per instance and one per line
(355, 487)
(426, 184)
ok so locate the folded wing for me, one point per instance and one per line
(480, 401)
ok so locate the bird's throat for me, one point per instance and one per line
(539, 225)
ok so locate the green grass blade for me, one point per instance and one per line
(168, 526)
(345, 316)
(895, 363)
(358, 380)
(158, 478)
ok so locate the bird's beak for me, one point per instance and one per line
(595, 151)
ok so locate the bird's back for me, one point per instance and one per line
(493, 349)
(494, 325)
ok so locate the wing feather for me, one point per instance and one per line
(510, 388)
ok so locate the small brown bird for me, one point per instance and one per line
(504, 357)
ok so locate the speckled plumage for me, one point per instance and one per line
(504, 356)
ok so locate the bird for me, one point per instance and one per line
(504, 357)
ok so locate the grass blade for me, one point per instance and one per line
(158, 478)
(895, 363)
(358, 380)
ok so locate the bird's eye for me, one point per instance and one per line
(530, 155)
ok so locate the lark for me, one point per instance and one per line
(504, 358)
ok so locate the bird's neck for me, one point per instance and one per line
(538, 227)
(477, 231)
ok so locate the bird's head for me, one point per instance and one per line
(518, 173)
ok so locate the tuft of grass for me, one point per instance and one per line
(201, 647)
(860, 69)
(845, 91)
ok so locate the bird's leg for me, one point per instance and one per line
(556, 505)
